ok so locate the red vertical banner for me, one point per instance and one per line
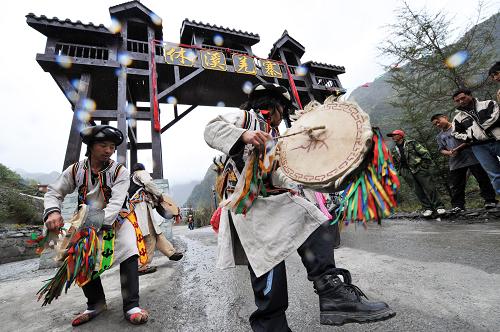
(154, 93)
(292, 86)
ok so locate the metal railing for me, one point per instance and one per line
(327, 82)
(82, 51)
(293, 69)
(137, 46)
(225, 50)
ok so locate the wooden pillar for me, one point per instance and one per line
(133, 148)
(75, 141)
(155, 135)
(248, 49)
(310, 78)
(282, 56)
(297, 59)
(121, 112)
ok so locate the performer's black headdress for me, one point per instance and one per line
(101, 133)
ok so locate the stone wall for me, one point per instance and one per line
(13, 246)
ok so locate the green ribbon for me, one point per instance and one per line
(107, 254)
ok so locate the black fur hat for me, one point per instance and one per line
(101, 133)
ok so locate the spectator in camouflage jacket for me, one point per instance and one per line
(413, 162)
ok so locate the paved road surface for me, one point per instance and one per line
(438, 276)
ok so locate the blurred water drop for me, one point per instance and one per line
(64, 61)
(301, 71)
(83, 116)
(121, 72)
(124, 59)
(131, 109)
(88, 105)
(76, 84)
(457, 59)
(155, 18)
(218, 40)
(115, 26)
(172, 100)
(73, 96)
(247, 87)
(221, 104)
(191, 55)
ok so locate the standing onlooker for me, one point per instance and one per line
(190, 222)
(413, 163)
(461, 159)
(477, 123)
(494, 73)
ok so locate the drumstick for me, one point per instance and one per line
(307, 130)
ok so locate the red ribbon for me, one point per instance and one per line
(156, 111)
(292, 86)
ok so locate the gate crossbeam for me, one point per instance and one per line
(181, 82)
(178, 118)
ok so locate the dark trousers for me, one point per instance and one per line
(270, 289)
(129, 278)
(458, 180)
(487, 154)
(424, 187)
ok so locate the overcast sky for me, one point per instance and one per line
(36, 117)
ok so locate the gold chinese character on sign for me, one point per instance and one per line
(180, 56)
(271, 69)
(213, 60)
(244, 64)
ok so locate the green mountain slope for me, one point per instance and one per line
(201, 196)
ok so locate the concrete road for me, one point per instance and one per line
(438, 276)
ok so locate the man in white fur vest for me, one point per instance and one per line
(102, 184)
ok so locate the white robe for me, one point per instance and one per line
(125, 242)
(144, 210)
(275, 226)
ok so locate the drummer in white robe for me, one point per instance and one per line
(279, 224)
(102, 184)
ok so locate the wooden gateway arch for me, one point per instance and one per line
(105, 73)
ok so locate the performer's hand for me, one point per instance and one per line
(54, 221)
(257, 138)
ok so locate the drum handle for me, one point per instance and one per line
(307, 130)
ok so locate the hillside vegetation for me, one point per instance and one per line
(16, 208)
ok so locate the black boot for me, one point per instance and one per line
(342, 302)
